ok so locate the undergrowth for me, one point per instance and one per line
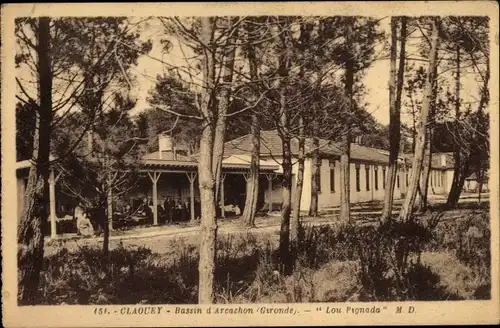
(388, 262)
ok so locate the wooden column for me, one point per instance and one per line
(405, 172)
(222, 194)
(52, 204)
(154, 178)
(270, 191)
(372, 177)
(191, 177)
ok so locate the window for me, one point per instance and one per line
(397, 180)
(332, 176)
(406, 178)
(432, 178)
(376, 176)
(358, 186)
(383, 177)
(367, 177)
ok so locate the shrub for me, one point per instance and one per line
(126, 277)
(393, 261)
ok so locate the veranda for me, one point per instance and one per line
(167, 178)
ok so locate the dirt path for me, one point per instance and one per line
(159, 238)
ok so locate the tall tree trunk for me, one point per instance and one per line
(479, 180)
(284, 246)
(295, 224)
(30, 233)
(407, 208)
(315, 174)
(424, 181)
(108, 217)
(252, 189)
(427, 160)
(286, 264)
(452, 196)
(223, 104)
(208, 224)
(345, 144)
(458, 185)
(206, 181)
(395, 113)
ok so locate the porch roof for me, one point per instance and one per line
(232, 163)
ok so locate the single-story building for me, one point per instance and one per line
(171, 173)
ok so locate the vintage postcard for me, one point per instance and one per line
(250, 164)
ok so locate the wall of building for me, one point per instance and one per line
(329, 197)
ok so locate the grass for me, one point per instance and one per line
(436, 258)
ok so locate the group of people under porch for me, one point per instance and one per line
(175, 210)
(171, 211)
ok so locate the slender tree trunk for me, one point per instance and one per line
(253, 182)
(206, 181)
(407, 208)
(286, 263)
(452, 196)
(424, 181)
(315, 160)
(295, 225)
(107, 218)
(315, 176)
(223, 105)
(395, 113)
(34, 216)
(345, 202)
(284, 246)
(479, 179)
(208, 224)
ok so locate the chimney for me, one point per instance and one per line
(443, 159)
(166, 143)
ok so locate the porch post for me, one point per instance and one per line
(191, 177)
(270, 191)
(372, 183)
(154, 179)
(222, 202)
(52, 204)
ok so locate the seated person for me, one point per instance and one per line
(83, 225)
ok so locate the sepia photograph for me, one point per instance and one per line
(167, 164)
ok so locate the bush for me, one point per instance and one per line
(126, 277)
(393, 261)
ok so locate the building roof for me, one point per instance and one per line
(271, 146)
(443, 161)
